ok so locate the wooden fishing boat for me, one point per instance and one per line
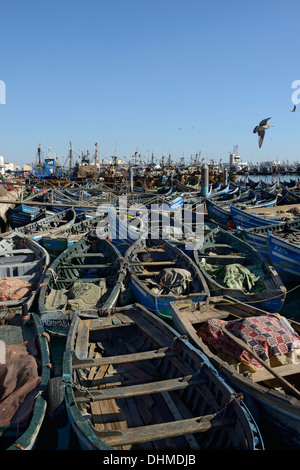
(88, 274)
(232, 267)
(268, 188)
(25, 358)
(247, 198)
(22, 265)
(270, 385)
(172, 204)
(132, 383)
(63, 238)
(218, 214)
(221, 212)
(23, 215)
(220, 191)
(289, 197)
(48, 225)
(231, 195)
(284, 258)
(160, 272)
(246, 220)
(187, 187)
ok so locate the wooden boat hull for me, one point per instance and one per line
(13, 330)
(282, 254)
(155, 408)
(246, 220)
(59, 241)
(285, 257)
(289, 197)
(88, 274)
(22, 261)
(144, 256)
(48, 225)
(24, 215)
(277, 413)
(218, 214)
(221, 248)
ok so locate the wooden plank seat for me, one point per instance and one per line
(141, 356)
(16, 252)
(147, 273)
(86, 255)
(284, 371)
(166, 430)
(141, 389)
(230, 256)
(87, 266)
(153, 263)
(82, 279)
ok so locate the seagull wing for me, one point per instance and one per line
(261, 135)
(264, 122)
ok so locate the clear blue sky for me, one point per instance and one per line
(130, 73)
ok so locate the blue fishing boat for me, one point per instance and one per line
(289, 197)
(218, 214)
(233, 194)
(288, 232)
(157, 392)
(247, 220)
(172, 204)
(220, 191)
(48, 225)
(232, 267)
(23, 215)
(161, 273)
(55, 243)
(285, 257)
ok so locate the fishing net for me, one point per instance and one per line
(237, 276)
(82, 295)
(12, 288)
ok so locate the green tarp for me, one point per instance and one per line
(237, 276)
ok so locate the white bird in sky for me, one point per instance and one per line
(260, 129)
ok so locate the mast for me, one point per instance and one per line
(39, 153)
(152, 159)
(96, 156)
(70, 157)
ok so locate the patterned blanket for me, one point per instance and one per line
(266, 335)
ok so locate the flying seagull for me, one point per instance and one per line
(260, 129)
(294, 109)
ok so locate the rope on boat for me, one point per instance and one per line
(234, 397)
(261, 300)
(80, 388)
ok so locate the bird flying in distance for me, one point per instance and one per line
(260, 129)
(294, 109)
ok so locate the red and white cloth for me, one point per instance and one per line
(266, 335)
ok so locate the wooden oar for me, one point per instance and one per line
(249, 350)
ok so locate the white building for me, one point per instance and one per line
(2, 165)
